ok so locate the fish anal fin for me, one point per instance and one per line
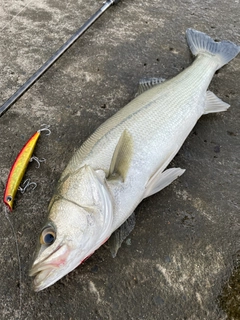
(214, 104)
(122, 156)
(148, 83)
(160, 180)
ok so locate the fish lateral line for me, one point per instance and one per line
(126, 160)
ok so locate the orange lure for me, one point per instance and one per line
(19, 167)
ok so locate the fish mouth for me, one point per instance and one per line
(49, 269)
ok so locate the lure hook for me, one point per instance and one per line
(26, 184)
(39, 161)
(45, 128)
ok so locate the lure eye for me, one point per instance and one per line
(48, 236)
(9, 198)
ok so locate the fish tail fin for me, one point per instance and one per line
(200, 43)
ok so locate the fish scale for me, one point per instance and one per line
(125, 160)
(155, 119)
(158, 111)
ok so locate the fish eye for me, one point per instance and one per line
(48, 236)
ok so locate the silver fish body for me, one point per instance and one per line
(124, 161)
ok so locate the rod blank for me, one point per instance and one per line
(55, 57)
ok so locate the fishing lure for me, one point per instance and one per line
(19, 167)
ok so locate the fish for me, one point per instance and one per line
(125, 160)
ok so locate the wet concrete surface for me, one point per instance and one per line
(181, 261)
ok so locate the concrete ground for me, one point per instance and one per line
(181, 260)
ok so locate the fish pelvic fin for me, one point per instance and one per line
(119, 235)
(201, 43)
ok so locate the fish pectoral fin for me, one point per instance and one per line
(119, 235)
(214, 104)
(122, 156)
(160, 180)
(148, 83)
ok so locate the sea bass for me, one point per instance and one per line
(124, 161)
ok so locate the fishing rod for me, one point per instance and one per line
(55, 57)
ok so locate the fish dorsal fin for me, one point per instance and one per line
(148, 83)
(214, 104)
(122, 156)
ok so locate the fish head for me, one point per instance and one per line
(63, 243)
(72, 233)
